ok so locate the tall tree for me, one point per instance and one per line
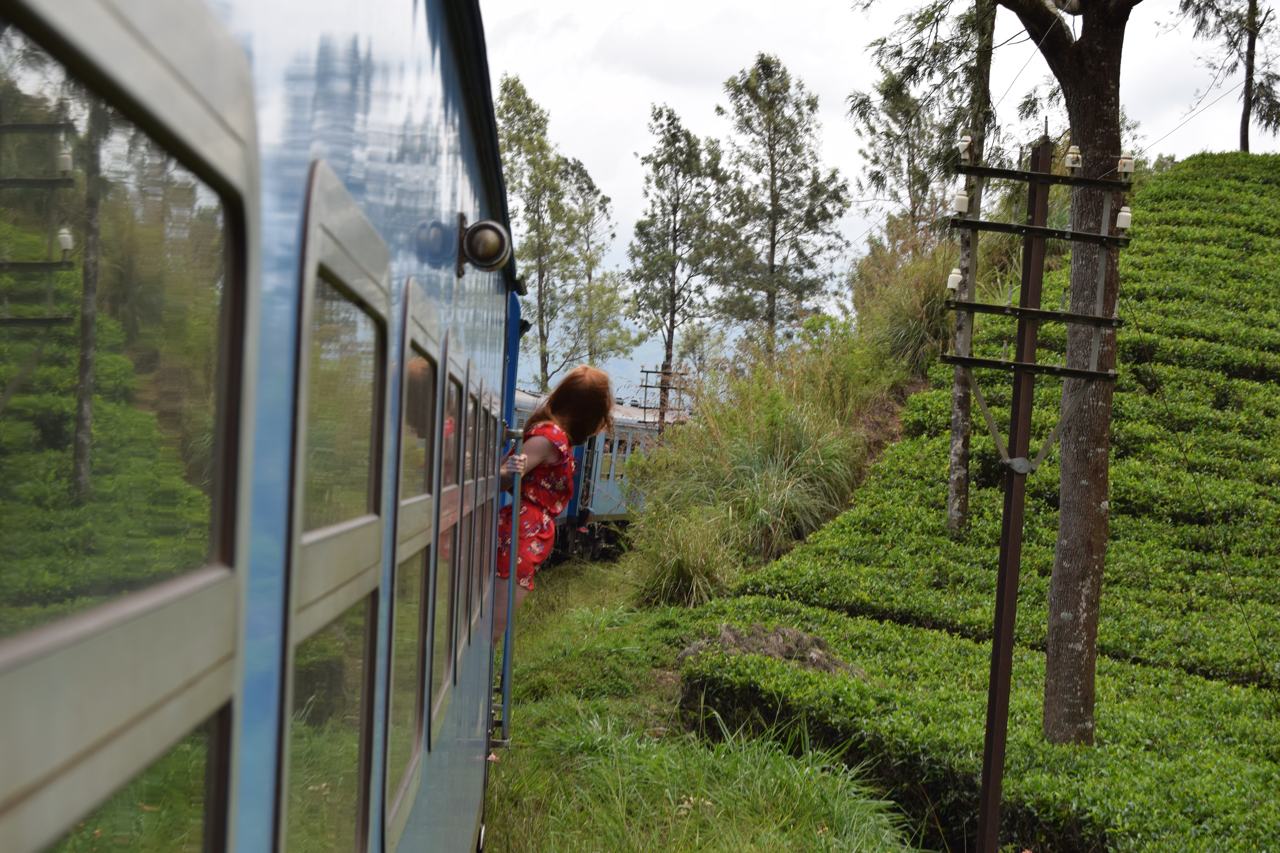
(981, 119)
(1238, 26)
(785, 208)
(534, 173)
(906, 151)
(670, 249)
(908, 140)
(1087, 69)
(595, 315)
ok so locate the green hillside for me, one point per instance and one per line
(1189, 634)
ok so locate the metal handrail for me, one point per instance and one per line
(509, 633)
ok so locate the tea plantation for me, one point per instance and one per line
(1188, 726)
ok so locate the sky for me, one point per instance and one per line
(596, 67)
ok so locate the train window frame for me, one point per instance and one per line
(332, 568)
(467, 517)
(415, 535)
(493, 447)
(416, 514)
(485, 479)
(448, 518)
(193, 97)
(479, 484)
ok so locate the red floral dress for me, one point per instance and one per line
(544, 493)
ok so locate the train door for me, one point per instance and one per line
(335, 570)
(129, 197)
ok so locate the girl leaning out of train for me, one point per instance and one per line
(579, 407)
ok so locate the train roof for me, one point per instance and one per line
(632, 416)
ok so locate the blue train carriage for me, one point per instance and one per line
(256, 356)
(601, 502)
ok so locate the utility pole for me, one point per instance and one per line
(668, 380)
(1024, 367)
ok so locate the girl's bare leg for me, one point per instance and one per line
(500, 606)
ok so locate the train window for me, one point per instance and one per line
(484, 554)
(442, 628)
(164, 808)
(112, 309)
(121, 293)
(465, 593)
(473, 422)
(342, 396)
(419, 425)
(327, 733)
(452, 423)
(404, 714)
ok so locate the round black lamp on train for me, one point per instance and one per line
(486, 245)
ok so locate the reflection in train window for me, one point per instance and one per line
(112, 306)
(342, 394)
(404, 714)
(452, 423)
(442, 624)
(419, 423)
(163, 809)
(327, 734)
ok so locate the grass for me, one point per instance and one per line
(600, 761)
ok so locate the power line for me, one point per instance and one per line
(1033, 55)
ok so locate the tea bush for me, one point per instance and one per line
(1189, 630)
(1181, 763)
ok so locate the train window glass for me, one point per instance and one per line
(482, 449)
(473, 421)
(342, 395)
(442, 622)
(480, 559)
(466, 592)
(404, 713)
(419, 424)
(164, 808)
(327, 733)
(112, 310)
(452, 423)
(484, 557)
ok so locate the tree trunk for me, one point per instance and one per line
(1093, 103)
(544, 353)
(961, 423)
(1250, 57)
(669, 346)
(82, 443)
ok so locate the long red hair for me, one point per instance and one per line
(582, 405)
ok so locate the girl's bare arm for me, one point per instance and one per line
(537, 450)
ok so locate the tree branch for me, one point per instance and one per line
(1050, 32)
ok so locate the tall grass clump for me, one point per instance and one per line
(777, 445)
(770, 456)
(675, 793)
